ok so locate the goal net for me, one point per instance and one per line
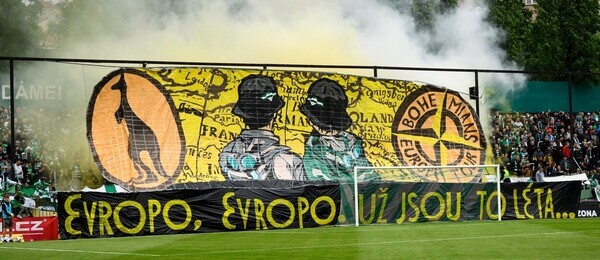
(421, 193)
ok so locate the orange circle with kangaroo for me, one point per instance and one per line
(134, 131)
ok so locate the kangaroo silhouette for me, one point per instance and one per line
(140, 138)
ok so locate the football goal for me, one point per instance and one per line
(444, 181)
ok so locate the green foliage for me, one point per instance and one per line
(424, 12)
(565, 37)
(94, 20)
(515, 20)
(20, 34)
(75, 21)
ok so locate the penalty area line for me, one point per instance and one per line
(379, 243)
(75, 251)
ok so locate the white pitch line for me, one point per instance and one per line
(378, 243)
(326, 229)
(75, 251)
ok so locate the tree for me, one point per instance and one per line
(424, 14)
(565, 37)
(90, 21)
(425, 11)
(512, 17)
(20, 34)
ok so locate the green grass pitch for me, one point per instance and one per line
(523, 239)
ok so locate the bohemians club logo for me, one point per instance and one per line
(436, 127)
(134, 131)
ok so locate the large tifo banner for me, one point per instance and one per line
(91, 214)
(150, 129)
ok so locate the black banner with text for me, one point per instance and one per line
(93, 214)
(589, 209)
(420, 202)
(540, 200)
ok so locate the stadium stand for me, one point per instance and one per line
(556, 143)
(40, 161)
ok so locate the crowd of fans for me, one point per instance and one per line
(549, 143)
(45, 157)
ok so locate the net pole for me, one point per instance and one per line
(499, 192)
(356, 196)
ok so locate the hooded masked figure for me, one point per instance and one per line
(256, 153)
(331, 153)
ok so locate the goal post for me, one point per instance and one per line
(415, 174)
